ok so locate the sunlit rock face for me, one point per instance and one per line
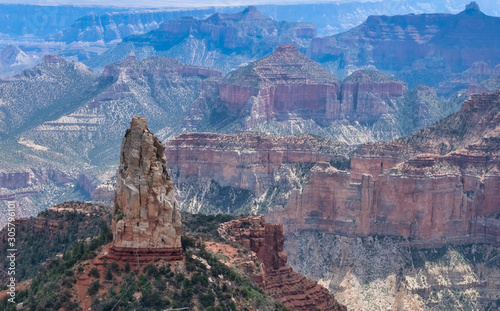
(146, 214)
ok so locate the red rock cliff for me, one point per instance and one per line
(248, 161)
(407, 188)
(368, 94)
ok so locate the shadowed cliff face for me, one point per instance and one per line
(146, 214)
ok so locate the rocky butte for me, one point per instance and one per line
(146, 218)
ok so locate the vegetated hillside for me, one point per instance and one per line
(223, 41)
(53, 232)
(46, 91)
(424, 48)
(75, 281)
(158, 88)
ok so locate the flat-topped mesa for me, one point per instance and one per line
(146, 219)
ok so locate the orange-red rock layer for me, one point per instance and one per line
(129, 254)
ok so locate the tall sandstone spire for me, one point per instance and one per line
(146, 218)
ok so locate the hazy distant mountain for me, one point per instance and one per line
(39, 21)
(118, 25)
(224, 41)
(13, 60)
(433, 44)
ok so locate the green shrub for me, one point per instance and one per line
(94, 273)
(93, 288)
(207, 299)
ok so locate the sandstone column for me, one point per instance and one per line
(146, 217)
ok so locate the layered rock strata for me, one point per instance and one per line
(438, 186)
(287, 86)
(368, 94)
(247, 161)
(279, 280)
(146, 220)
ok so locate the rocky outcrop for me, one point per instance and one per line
(279, 280)
(146, 215)
(265, 239)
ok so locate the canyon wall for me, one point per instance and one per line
(389, 273)
(423, 204)
(439, 185)
(247, 161)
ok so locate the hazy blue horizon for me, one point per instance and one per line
(172, 4)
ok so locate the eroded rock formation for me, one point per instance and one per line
(287, 86)
(146, 215)
(294, 290)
